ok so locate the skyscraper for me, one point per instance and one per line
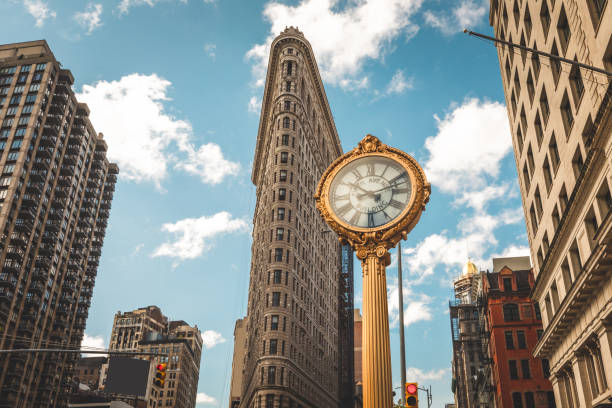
(292, 326)
(56, 187)
(560, 118)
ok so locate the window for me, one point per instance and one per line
(516, 13)
(588, 133)
(286, 122)
(282, 194)
(273, 346)
(554, 153)
(545, 368)
(289, 68)
(538, 203)
(271, 380)
(275, 298)
(517, 84)
(530, 87)
(519, 139)
(278, 254)
(544, 107)
(550, 397)
(285, 140)
(523, 52)
(576, 84)
(280, 214)
(563, 28)
(538, 129)
(508, 71)
(520, 337)
(274, 322)
(509, 340)
(507, 282)
(41, 67)
(277, 276)
(288, 86)
(525, 369)
(529, 400)
(604, 200)
(527, 22)
(526, 177)
(547, 175)
(287, 105)
(22, 78)
(280, 234)
(513, 370)
(555, 65)
(545, 17)
(282, 176)
(596, 8)
(511, 312)
(284, 157)
(15, 99)
(539, 332)
(577, 162)
(533, 219)
(563, 198)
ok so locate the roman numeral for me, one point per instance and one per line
(386, 215)
(398, 191)
(355, 218)
(342, 197)
(397, 178)
(385, 170)
(396, 204)
(344, 209)
(370, 169)
(356, 173)
(370, 220)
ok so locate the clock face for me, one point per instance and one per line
(370, 192)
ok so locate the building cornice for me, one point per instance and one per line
(288, 37)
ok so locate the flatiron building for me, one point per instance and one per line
(56, 188)
(299, 322)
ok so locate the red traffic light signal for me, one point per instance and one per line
(160, 375)
(412, 395)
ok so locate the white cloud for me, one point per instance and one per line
(416, 305)
(254, 104)
(479, 199)
(399, 84)
(469, 146)
(513, 250)
(90, 18)
(193, 236)
(343, 37)
(202, 398)
(418, 375)
(467, 14)
(39, 10)
(211, 338)
(92, 343)
(211, 50)
(141, 135)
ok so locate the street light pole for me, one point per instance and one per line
(401, 321)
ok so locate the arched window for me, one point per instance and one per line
(511, 312)
(286, 122)
(288, 86)
(290, 68)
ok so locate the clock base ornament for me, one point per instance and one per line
(372, 197)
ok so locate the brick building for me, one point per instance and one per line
(513, 328)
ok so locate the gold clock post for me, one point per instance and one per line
(372, 244)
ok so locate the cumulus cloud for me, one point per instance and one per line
(416, 374)
(467, 13)
(471, 141)
(399, 84)
(90, 18)
(202, 398)
(343, 37)
(92, 343)
(143, 138)
(193, 236)
(211, 338)
(254, 104)
(211, 50)
(416, 305)
(39, 10)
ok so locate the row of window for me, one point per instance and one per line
(511, 312)
(528, 397)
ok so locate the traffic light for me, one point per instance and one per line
(412, 395)
(160, 375)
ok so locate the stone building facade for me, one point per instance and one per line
(560, 118)
(56, 188)
(148, 330)
(292, 323)
(237, 364)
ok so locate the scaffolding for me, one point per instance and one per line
(346, 352)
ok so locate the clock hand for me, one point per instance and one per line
(366, 192)
(385, 188)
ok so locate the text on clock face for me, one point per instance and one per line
(370, 191)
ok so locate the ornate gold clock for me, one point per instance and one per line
(372, 197)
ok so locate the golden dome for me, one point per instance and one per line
(470, 268)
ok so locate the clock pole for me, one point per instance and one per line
(372, 246)
(376, 354)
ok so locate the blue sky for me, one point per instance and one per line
(175, 86)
